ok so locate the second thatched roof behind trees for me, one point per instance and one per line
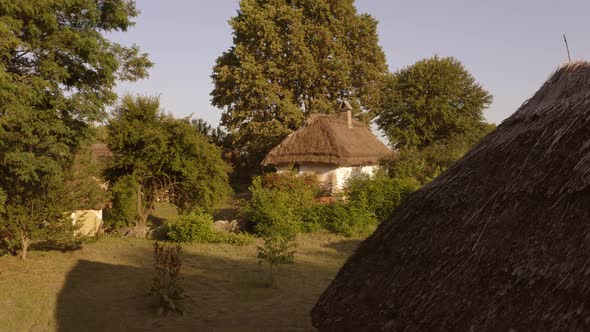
(328, 139)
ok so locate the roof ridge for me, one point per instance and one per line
(326, 138)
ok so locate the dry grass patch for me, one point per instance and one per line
(104, 286)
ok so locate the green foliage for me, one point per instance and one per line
(54, 54)
(2, 200)
(57, 74)
(411, 169)
(85, 182)
(9, 243)
(236, 239)
(346, 218)
(279, 242)
(193, 227)
(380, 193)
(277, 250)
(280, 199)
(434, 100)
(166, 283)
(290, 58)
(304, 187)
(101, 134)
(41, 217)
(216, 135)
(123, 211)
(287, 204)
(197, 227)
(351, 219)
(426, 164)
(164, 155)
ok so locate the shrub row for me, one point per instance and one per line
(292, 201)
(197, 227)
(380, 193)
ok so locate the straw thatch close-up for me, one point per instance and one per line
(500, 241)
(330, 139)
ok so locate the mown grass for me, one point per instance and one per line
(164, 213)
(104, 285)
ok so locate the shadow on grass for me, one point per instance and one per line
(156, 221)
(344, 246)
(222, 294)
(52, 245)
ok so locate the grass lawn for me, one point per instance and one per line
(103, 287)
(164, 213)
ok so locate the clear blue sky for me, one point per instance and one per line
(511, 47)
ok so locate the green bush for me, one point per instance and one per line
(426, 164)
(277, 249)
(316, 217)
(304, 186)
(9, 243)
(346, 218)
(123, 211)
(280, 199)
(380, 193)
(237, 239)
(287, 203)
(352, 219)
(197, 227)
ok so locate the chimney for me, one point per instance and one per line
(346, 111)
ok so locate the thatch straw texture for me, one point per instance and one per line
(500, 241)
(328, 140)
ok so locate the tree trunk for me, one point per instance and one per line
(25, 243)
(141, 229)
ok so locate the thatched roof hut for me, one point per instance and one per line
(500, 241)
(328, 139)
(334, 147)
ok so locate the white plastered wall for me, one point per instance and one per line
(326, 173)
(90, 221)
(345, 173)
(330, 175)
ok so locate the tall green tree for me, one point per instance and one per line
(290, 58)
(215, 135)
(57, 74)
(163, 155)
(433, 101)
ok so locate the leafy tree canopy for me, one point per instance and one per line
(57, 74)
(434, 100)
(290, 58)
(215, 135)
(165, 156)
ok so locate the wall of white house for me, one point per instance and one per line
(89, 221)
(330, 176)
(325, 172)
(345, 173)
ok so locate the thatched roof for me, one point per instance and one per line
(500, 241)
(328, 139)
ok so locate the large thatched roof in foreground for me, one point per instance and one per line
(328, 139)
(500, 241)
